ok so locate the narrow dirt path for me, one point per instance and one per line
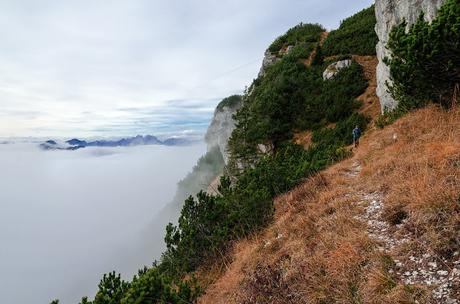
(425, 270)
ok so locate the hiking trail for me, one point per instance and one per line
(420, 270)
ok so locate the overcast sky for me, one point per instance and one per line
(116, 68)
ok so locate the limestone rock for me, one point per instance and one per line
(334, 68)
(266, 148)
(221, 128)
(269, 59)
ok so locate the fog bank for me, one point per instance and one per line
(67, 217)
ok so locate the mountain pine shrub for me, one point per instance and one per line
(356, 35)
(425, 59)
(301, 33)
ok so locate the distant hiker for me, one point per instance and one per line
(356, 135)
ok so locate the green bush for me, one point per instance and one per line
(390, 117)
(338, 95)
(208, 223)
(356, 35)
(425, 60)
(318, 59)
(301, 33)
(153, 286)
(341, 134)
(149, 286)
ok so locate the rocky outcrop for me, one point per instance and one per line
(269, 59)
(390, 13)
(335, 68)
(222, 125)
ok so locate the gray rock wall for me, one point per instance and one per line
(220, 129)
(390, 13)
(269, 59)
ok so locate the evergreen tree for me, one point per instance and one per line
(111, 289)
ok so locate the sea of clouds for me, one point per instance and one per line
(67, 217)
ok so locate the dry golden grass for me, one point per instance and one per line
(303, 139)
(420, 174)
(317, 251)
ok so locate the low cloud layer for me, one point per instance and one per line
(73, 68)
(70, 216)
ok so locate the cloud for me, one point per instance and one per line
(70, 216)
(63, 59)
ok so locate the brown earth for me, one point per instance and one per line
(371, 103)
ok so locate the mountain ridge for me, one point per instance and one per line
(138, 140)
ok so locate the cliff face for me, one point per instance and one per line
(222, 125)
(390, 13)
(269, 59)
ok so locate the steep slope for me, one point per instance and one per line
(381, 227)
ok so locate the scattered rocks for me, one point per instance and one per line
(443, 279)
(354, 170)
(424, 269)
(378, 229)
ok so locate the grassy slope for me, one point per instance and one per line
(319, 250)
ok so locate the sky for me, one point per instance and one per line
(93, 68)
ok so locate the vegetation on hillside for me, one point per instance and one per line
(149, 286)
(356, 35)
(290, 96)
(301, 33)
(425, 60)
